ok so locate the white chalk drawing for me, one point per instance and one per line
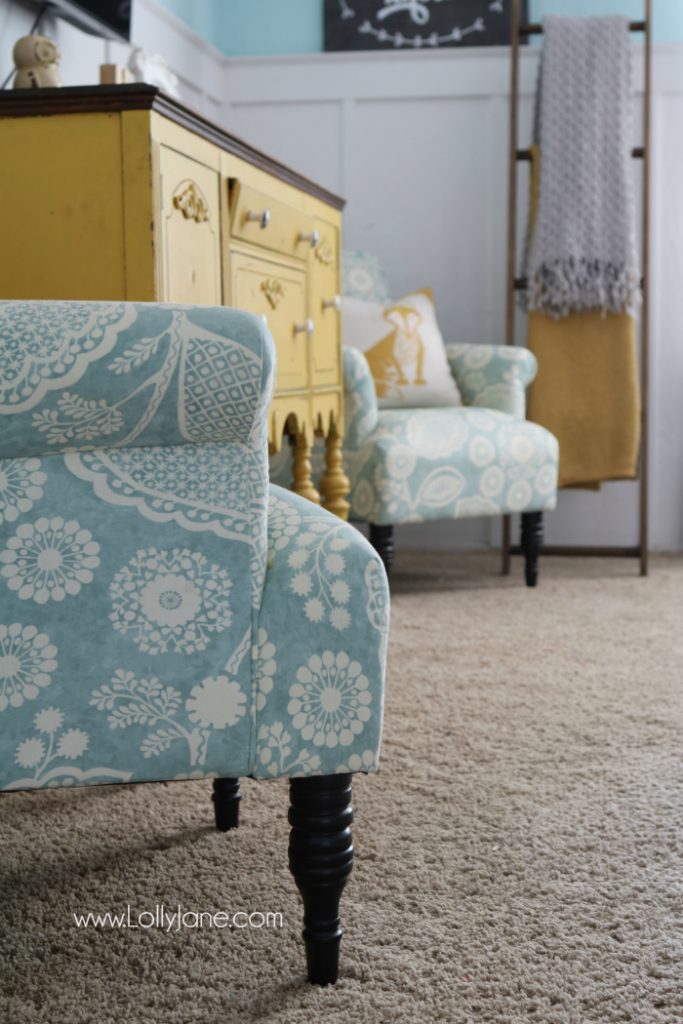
(420, 14)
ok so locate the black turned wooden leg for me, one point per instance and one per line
(382, 540)
(321, 858)
(226, 802)
(532, 542)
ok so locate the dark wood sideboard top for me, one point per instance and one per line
(89, 99)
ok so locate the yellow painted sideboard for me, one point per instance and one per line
(119, 192)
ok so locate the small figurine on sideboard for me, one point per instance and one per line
(36, 59)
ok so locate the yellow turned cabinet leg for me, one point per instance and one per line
(301, 470)
(335, 484)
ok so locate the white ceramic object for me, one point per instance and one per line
(153, 69)
(36, 59)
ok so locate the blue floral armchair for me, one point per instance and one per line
(164, 612)
(479, 459)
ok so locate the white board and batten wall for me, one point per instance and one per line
(417, 143)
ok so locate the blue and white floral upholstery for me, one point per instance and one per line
(164, 613)
(482, 458)
(363, 276)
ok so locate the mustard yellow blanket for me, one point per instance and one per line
(587, 393)
(587, 390)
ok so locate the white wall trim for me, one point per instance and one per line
(481, 72)
(446, 54)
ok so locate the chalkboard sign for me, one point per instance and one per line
(416, 24)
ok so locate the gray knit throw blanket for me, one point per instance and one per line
(583, 252)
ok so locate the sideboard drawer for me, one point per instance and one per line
(277, 292)
(259, 218)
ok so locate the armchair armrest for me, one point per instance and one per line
(493, 376)
(360, 398)
(83, 375)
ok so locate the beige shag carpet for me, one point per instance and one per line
(519, 856)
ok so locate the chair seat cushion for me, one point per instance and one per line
(421, 464)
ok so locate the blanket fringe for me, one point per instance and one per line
(569, 285)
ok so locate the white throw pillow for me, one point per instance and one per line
(404, 349)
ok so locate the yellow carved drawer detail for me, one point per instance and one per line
(269, 223)
(326, 250)
(189, 199)
(274, 290)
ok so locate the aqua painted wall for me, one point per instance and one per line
(249, 27)
(198, 15)
(269, 26)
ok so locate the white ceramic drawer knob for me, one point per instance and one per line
(306, 328)
(333, 303)
(263, 217)
(310, 236)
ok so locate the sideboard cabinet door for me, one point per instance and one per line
(276, 291)
(190, 230)
(325, 307)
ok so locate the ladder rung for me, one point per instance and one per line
(536, 29)
(520, 284)
(525, 154)
(584, 551)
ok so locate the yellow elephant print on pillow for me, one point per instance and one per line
(392, 359)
